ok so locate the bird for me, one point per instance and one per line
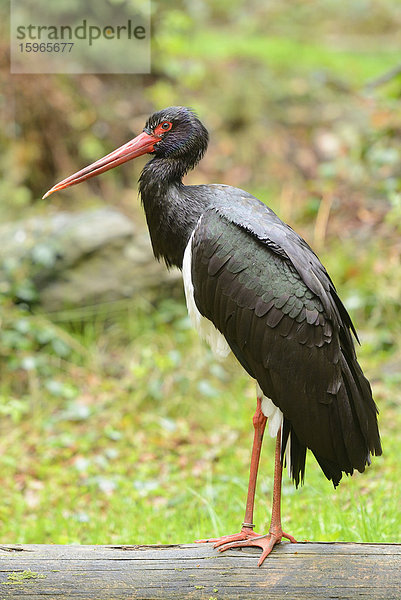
(254, 288)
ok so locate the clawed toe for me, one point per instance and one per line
(266, 542)
(287, 536)
(244, 534)
(224, 539)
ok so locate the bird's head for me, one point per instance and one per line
(181, 135)
(171, 133)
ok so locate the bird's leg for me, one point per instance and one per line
(259, 424)
(275, 535)
(275, 529)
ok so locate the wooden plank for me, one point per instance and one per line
(313, 571)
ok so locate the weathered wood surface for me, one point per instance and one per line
(309, 571)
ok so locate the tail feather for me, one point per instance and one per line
(330, 469)
(363, 404)
(297, 453)
(354, 423)
(354, 428)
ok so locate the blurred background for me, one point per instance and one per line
(117, 425)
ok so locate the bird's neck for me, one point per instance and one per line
(172, 209)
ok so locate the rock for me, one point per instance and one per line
(78, 259)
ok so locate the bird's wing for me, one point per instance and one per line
(260, 221)
(269, 295)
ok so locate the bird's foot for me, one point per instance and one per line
(244, 534)
(266, 542)
(247, 537)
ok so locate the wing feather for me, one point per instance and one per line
(291, 333)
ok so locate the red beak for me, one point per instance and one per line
(142, 144)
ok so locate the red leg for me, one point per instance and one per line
(275, 535)
(259, 424)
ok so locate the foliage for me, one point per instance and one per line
(117, 425)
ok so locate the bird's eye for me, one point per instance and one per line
(163, 127)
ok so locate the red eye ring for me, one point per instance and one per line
(163, 127)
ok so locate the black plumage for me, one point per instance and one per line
(295, 343)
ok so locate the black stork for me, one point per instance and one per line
(254, 287)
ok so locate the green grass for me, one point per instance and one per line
(149, 441)
(355, 65)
